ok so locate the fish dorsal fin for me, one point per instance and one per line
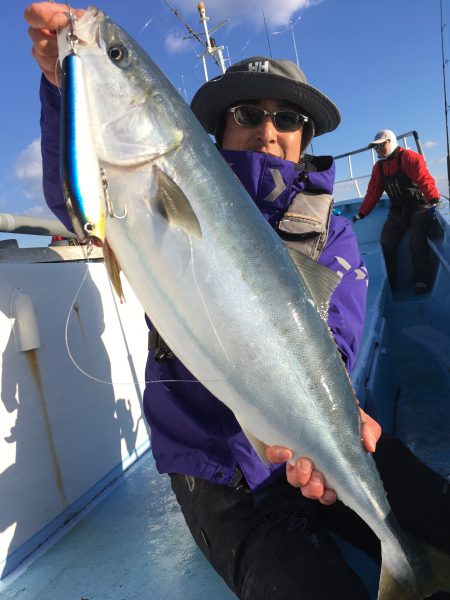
(320, 280)
(258, 446)
(113, 267)
(173, 205)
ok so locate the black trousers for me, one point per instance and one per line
(275, 545)
(396, 225)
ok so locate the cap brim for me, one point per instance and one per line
(219, 93)
(379, 141)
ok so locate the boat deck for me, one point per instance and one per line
(132, 543)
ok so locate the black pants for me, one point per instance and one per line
(274, 544)
(395, 227)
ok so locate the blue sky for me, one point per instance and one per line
(380, 62)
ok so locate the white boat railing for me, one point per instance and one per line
(24, 224)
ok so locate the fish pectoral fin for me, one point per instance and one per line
(113, 267)
(320, 280)
(173, 205)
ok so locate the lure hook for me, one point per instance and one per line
(72, 38)
(109, 205)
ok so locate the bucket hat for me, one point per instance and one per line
(261, 77)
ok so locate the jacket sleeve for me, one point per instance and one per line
(374, 191)
(347, 310)
(413, 165)
(51, 182)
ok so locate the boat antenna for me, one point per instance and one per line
(267, 33)
(444, 62)
(291, 26)
(211, 49)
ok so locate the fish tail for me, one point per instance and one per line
(113, 268)
(429, 570)
(440, 566)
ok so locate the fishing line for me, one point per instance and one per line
(88, 251)
(146, 25)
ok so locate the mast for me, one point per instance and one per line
(211, 48)
(267, 33)
(291, 26)
(444, 62)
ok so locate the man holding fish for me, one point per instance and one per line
(241, 504)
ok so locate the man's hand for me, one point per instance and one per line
(357, 217)
(312, 483)
(44, 19)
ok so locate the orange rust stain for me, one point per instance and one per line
(34, 367)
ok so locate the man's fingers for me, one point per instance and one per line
(370, 431)
(303, 475)
(48, 66)
(45, 50)
(300, 474)
(329, 497)
(368, 437)
(278, 454)
(43, 40)
(315, 487)
(48, 15)
(44, 18)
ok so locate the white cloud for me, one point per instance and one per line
(442, 185)
(28, 169)
(174, 43)
(346, 190)
(28, 165)
(276, 13)
(429, 144)
(437, 161)
(39, 211)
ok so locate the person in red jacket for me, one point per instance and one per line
(413, 195)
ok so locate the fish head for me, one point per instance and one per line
(130, 120)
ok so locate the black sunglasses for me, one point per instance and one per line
(253, 116)
(381, 144)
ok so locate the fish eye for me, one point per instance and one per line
(118, 53)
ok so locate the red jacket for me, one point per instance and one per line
(412, 164)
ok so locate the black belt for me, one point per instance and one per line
(161, 350)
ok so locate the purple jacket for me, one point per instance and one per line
(192, 432)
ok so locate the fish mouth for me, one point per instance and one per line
(86, 31)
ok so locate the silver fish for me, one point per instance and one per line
(243, 312)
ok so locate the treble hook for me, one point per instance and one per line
(109, 205)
